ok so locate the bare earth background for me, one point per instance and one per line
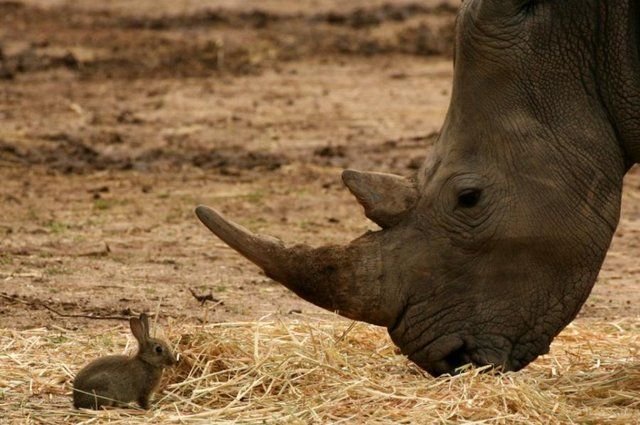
(118, 118)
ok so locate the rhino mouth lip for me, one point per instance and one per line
(452, 355)
(452, 361)
(456, 361)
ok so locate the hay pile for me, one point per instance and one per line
(326, 370)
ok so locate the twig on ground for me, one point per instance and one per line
(202, 299)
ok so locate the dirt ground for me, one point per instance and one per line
(117, 120)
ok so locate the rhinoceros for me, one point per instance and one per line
(491, 248)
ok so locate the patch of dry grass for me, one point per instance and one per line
(326, 370)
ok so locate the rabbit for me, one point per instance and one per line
(114, 380)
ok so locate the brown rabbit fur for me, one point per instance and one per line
(114, 380)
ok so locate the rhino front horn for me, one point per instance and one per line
(344, 279)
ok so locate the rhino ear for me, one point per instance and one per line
(385, 197)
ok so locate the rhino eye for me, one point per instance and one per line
(469, 198)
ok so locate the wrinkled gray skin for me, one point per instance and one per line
(492, 248)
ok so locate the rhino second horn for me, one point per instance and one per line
(344, 279)
(385, 197)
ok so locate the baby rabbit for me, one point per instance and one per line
(112, 380)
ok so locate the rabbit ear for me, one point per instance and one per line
(145, 322)
(137, 328)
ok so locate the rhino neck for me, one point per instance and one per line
(618, 71)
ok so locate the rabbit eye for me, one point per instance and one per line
(158, 349)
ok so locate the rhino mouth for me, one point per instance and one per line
(453, 354)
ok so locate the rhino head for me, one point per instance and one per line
(493, 246)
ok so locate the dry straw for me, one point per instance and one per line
(326, 370)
